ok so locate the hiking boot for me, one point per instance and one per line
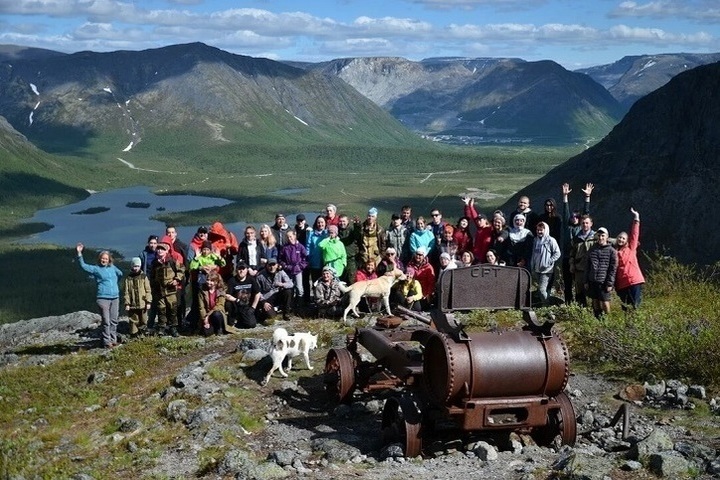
(173, 332)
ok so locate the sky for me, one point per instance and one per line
(574, 33)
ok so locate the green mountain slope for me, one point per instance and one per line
(192, 98)
(29, 178)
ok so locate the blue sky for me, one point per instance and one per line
(574, 33)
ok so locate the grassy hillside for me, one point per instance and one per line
(353, 177)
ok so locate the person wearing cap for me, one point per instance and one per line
(446, 262)
(242, 297)
(106, 274)
(276, 291)
(333, 251)
(137, 297)
(166, 281)
(600, 272)
(279, 230)
(425, 274)
(407, 292)
(327, 295)
(371, 239)
(570, 228)
(390, 262)
(178, 249)
(581, 244)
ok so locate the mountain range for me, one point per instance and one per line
(185, 102)
(633, 77)
(660, 159)
(455, 100)
(93, 102)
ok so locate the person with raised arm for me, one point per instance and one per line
(570, 228)
(629, 278)
(106, 275)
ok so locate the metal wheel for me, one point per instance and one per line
(340, 374)
(401, 421)
(561, 421)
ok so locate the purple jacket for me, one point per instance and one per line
(293, 258)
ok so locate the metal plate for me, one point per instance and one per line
(484, 286)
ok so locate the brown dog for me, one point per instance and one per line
(376, 288)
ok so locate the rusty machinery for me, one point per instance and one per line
(490, 381)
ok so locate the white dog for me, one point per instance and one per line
(289, 346)
(377, 288)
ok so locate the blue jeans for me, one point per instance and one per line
(630, 296)
(109, 313)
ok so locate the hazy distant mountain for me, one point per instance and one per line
(130, 100)
(494, 98)
(635, 76)
(17, 52)
(663, 160)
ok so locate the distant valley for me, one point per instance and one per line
(195, 110)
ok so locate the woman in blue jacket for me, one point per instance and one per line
(108, 293)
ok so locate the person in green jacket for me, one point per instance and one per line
(333, 251)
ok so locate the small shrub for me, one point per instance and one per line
(674, 334)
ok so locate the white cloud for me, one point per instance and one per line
(473, 4)
(392, 25)
(697, 10)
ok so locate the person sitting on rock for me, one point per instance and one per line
(242, 297)
(327, 294)
(211, 301)
(276, 289)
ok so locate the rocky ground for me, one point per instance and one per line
(308, 436)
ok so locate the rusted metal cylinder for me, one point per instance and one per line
(492, 365)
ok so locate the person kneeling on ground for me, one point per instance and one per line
(211, 303)
(328, 296)
(407, 293)
(243, 297)
(276, 289)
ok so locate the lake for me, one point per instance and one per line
(124, 229)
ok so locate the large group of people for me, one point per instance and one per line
(290, 269)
